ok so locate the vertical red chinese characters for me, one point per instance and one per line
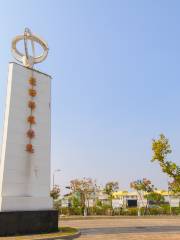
(31, 118)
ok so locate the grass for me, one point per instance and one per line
(63, 231)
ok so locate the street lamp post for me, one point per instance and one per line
(57, 170)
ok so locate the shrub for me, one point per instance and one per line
(175, 210)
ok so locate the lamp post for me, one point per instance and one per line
(57, 170)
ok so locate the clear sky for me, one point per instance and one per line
(116, 82)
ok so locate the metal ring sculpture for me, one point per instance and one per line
(27, 59)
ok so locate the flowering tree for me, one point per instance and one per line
(161, 148)
(84, 188)
(55, 192)
(143, 187)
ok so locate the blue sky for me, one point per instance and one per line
(116, 82)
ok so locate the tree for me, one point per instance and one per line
(161, 148)
(143, 187)
(110, 188)
(174, 186)
(55, 192)
(155, 197)
(84, 188)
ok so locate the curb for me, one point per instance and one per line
(76, 235)
(118, 217)
(70, 237)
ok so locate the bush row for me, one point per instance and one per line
(106, 210)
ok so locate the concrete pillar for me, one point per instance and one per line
(24, 176)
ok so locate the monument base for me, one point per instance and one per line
(18, 203)
(28, 222)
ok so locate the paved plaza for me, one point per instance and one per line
(159, 228)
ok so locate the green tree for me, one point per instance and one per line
(110, 188)
(161, 149)
(75, 201)
(155, 197)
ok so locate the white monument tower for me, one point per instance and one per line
(26, 146)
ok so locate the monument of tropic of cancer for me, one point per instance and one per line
(26, 145)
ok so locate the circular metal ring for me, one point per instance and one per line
(27, 32)
(30, 60)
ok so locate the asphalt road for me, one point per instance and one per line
(124, 228)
